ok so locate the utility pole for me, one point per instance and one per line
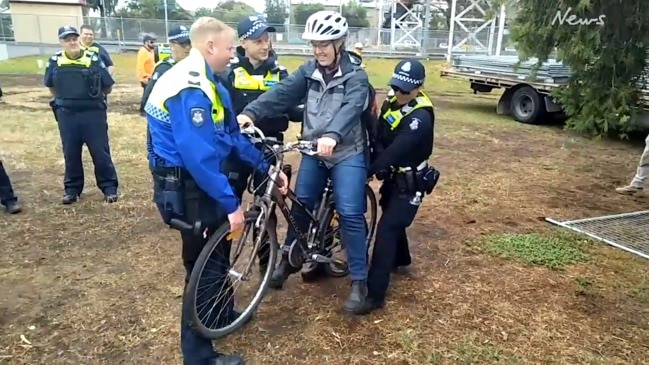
(166, 19)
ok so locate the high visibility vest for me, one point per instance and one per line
(162, 52)
(190, 72)
(245, 81)
(394, 117)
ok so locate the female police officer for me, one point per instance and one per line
(79, 82)
(404, 144)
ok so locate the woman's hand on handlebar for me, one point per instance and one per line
(326, 146)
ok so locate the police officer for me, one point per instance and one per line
(179, 46)
(7, 196)
(252, 72)
(404, 142)
(79, 82)
(193, 130)
(87, 42)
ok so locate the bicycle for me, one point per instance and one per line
(315, 245)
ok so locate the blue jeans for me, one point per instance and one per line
(348, 178)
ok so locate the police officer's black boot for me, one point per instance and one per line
(223, 359)
(357, 296)
(282, 272)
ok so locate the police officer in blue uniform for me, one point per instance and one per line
(252, 72)
(404, 142)
(7, 196)
(193, 130)
(79, 82)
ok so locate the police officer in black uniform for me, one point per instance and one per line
(179, 46)
(79, 82)
(255, 70)
(404, 142)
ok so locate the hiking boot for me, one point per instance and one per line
(13, 208)
(369, 305)
(629, 190)
(357, 296)
(281, 273)
(110, 198)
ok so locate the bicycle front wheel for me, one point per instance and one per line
(221, 269)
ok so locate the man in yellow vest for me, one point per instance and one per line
(87, 42)
(252, 72)
(193, 130)
(404, 142)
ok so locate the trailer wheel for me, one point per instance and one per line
(527, 105)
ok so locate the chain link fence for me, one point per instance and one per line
(127, 33)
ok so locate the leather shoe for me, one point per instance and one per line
(369, 305)
(69, 199)
(281, 273)
(357, 296)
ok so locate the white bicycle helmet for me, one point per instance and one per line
(325, 25)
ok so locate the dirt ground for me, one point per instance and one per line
(101, 284)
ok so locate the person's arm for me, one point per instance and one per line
(355, 101)
(157, 72)
(418, 126)
(105, 56)
(200, 147)
(107, 81)
(295, 113)
(140, 62)
(276, 101)
(48, 78)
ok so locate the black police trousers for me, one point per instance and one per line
(217, 292)
(391, 243)
(88, 127)
(7, 195)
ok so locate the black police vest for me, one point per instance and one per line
(77, 83)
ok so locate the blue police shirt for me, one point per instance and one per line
(192, 142)
(106, 79)
(104, 55)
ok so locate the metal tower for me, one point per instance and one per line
(473, 19)
(406, 20)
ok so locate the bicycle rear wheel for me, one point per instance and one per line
(329, 232)
(218, 259)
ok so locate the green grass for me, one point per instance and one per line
(378, 69)
(553, 250)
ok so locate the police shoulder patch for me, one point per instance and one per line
(197, 115)
(414, 124)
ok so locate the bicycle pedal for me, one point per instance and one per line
(321, 259)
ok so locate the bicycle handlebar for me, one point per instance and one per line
(256, 135)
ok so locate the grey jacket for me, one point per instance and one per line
(330, 110)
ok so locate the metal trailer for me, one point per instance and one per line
(527, 101)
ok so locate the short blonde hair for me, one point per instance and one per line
(204, 26)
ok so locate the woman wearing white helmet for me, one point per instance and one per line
(335, 91)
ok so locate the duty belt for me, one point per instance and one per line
(421, 166)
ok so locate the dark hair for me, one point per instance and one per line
(86, 26)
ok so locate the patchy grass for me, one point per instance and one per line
(95, 283)
(554, 250)
(378, 69)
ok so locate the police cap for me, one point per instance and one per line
(408, 75)
(178, 34)
(253, 27)
(67, 30)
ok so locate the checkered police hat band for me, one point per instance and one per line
(407, 79)
(181, 35)
(256, 26)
